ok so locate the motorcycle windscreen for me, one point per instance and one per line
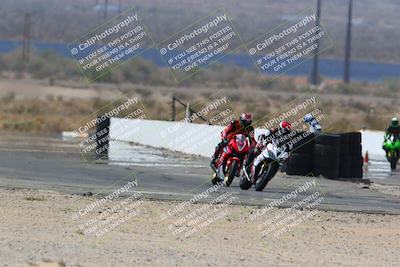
(240, 141)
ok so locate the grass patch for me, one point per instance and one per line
(31, 198)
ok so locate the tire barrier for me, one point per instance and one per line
(329, 155)
(355, 159)
(326, 155)
(344, 158)
(102, 137)
(300, 161)
(299, 164)
(352, 161)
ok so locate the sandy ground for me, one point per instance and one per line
(42, 228)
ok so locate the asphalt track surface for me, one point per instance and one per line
(49, 163)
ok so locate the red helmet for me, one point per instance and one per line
(285, 125)
(246, 119)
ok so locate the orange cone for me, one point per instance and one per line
(366, 157)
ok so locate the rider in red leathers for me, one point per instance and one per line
(241, 126)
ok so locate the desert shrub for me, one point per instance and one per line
(391, 85)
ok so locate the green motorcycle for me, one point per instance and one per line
(392, 148)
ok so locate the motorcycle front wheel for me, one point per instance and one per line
(393, 163)
(392, 157)
(268, 171)
(214, 178)
(232, 172)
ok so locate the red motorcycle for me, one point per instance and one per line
(231, 159)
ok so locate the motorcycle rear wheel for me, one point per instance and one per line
(245, 184)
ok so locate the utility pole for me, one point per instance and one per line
(26, 39)
(346, 74)
(188, 113)
(105, 9)
(315, 72)
(119, 6)
(173, 115)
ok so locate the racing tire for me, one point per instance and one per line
(305, 144)
(245, 184)
(393, 163)
(344, 166)
(356, 162)
(344, 144)
(299, 159)
(267, 175)
(300, 171)
(330, 173)
(214, 179)
(327, 140)
(299, 164)
(356, 173)
(354, 137)
(344, 172)
(326, 151)
(232, 172)
(355, 150)
(326, 162)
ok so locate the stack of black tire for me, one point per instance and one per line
(102, 140)
(328, 155)
(345, 159)
(355, 153)
(301, 161)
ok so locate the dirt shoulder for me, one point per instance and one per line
(37, 229)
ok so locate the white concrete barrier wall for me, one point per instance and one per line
(372, 142)
(190, 138)
(197, 139)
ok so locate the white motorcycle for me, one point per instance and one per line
(269, 162)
